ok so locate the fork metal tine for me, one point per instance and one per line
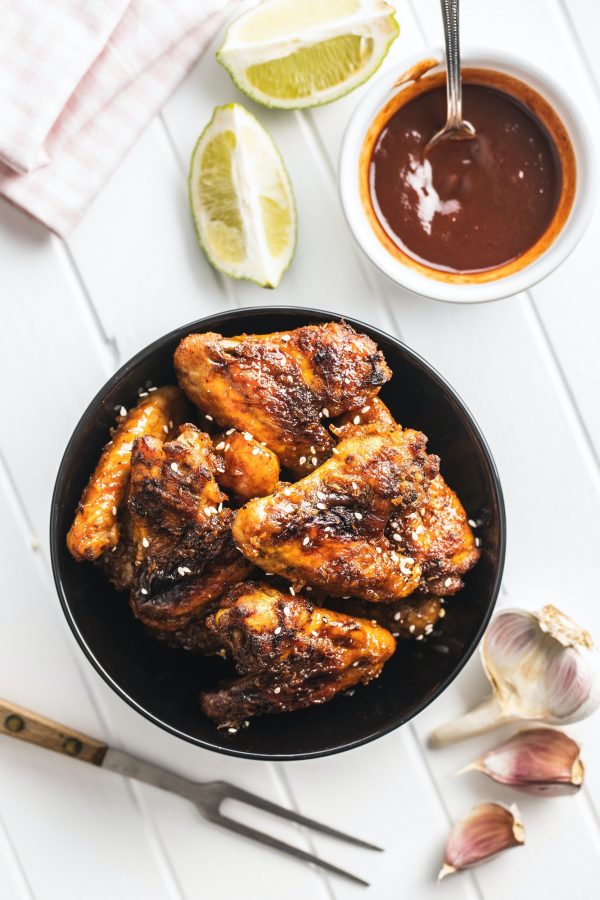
(235, 793)
(237, 827)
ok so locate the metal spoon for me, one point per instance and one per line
(456, 128)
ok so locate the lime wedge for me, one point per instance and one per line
(242, 199)
(296, 53)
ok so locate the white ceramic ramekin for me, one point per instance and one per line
(418, 282)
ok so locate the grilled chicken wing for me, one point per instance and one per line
(281, 387)
(184, 556)
(329, 529)
(244, 469)
(289, 654)
(438, 534)
(95, 528)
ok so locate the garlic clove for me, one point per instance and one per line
(541, 666)
(483, 833)
(540, 761)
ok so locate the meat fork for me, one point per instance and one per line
(207, 797)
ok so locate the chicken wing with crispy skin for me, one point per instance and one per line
(245, 468)
(282, 387)
(440, 537)
(288, 653)
(184, 555)
(438, 534)
(95, 529)
(329, 529)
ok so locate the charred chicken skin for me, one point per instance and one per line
(118, 563)
(289, 654)
(281, 388)
(184, 556)
(437, 534)
(95, 529)
(329, 529)
(244, 468)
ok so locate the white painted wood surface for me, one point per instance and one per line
(529, 368)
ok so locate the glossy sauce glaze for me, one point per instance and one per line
(465, 205)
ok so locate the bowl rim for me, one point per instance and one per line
(205, 324)
(566, 240)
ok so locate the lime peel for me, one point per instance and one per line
(241, 198)
(323, 49)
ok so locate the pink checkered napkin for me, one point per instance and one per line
(79, 80)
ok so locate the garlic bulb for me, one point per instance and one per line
(541, 666)
(487, 830)
(537, 761)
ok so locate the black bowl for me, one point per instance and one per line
(163, 684)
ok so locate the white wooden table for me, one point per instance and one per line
(529, 368)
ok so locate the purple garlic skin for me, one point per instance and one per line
(486, 831)
(541, 761)
(541, 667)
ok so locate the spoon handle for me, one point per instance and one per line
(454, 82)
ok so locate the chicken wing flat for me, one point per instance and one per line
(184, 555)
(439, 536)
(244, 469)
(289, 654)
(282, 387)
(95, 528)
(329, 529)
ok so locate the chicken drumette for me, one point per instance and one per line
(184, 555)
(282, 388)
(289, 654)
(437, 534)
(329, 529)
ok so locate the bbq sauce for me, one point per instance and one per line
(465, 205)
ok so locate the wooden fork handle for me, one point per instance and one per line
(29, 726)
